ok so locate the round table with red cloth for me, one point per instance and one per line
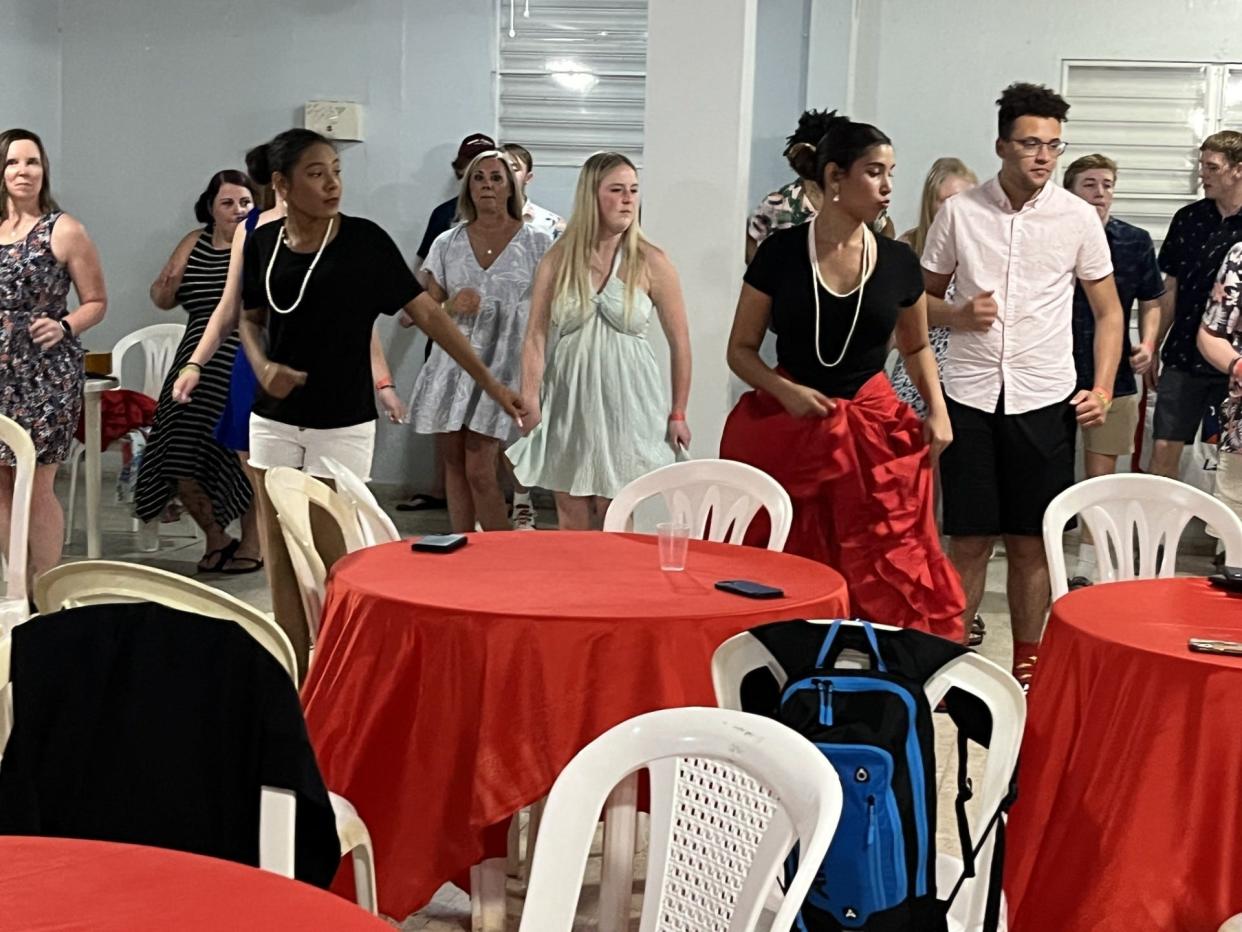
(1129, 811)
(449, 690)
(67, 885)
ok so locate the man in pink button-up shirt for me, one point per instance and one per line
(1015, 246)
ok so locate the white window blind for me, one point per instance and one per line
(1149, 117)
(572, 77)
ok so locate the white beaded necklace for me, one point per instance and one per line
(815, 283)
(267, 281)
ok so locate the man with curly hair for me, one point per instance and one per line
(1015, 246)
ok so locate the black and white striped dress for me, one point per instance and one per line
(182, 444)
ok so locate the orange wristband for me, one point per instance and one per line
(380, 386)
(677, 416)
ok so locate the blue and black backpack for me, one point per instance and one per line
(874, 725)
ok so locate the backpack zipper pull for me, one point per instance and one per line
(870, 821)
(825, 702)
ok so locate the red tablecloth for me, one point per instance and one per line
(1129, 812)
(65, 884)
(449, 690)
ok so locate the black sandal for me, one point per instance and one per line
(257, 565)
(217, 558)
(422, 502)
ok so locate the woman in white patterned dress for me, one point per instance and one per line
(488, 264)
(598, 418)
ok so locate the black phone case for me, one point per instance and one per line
(738, 587)
(422, 547)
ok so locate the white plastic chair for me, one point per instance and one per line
(712, 497)
(15, 607)
(292, 494)
(1121, 507)
(92, 582)
(1232, 924)
(158, 343)
(972, 673)
(373, 521)
(730, 795)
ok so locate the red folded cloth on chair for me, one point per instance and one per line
(121, 410)
(861, 484)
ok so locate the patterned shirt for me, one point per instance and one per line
(1193, 251)
(787, 207)
(1138, 278)
(543, 219)
(1223, 318)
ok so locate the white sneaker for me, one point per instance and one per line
(523, 516)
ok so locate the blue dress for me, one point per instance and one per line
(233, 431)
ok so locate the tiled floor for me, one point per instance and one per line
(450, 910)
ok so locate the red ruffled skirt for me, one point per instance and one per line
(861, 484)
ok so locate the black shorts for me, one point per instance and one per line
(1002, 470)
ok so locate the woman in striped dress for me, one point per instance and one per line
(182, 457)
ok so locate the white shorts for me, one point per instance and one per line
(275, 444)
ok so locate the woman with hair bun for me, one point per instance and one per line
(182, 458)
(825, 423)
(798, 201)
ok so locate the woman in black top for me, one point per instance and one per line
(825, 423)
(312, 288)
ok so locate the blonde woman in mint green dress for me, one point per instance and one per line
(599, 417)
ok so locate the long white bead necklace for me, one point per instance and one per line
(267, 281)
(815, 283)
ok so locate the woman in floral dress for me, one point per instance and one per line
(42, 251)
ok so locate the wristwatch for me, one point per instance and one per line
(64, 325)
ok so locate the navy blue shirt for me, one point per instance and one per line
(440, 220)
(1138, 278)
(1196, 245)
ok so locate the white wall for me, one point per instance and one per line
(158, 96)
(30, 91)
(928, 73)
(699, 97)
(781, 35)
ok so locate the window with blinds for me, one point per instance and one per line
(572, 77)
(1149, 117)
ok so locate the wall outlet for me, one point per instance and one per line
(336, 119)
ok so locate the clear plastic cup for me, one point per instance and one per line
(674, 542)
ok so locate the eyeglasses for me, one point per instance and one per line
(1031, 146)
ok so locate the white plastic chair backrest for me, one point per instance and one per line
(972, 673)
(159, 344)
(373, 521)
(1232, 924)
(93, 582)
(712, 497)
(15, 437)
(730, 794)
(292, 494)
(1119, 508)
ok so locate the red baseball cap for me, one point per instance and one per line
(471, 146)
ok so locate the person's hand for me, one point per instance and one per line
(1151, 378)
(979, 313)
(405, 320)
(510, 400)
(465, 302)
(532, 417)
(278, 380)
(46, 333)
(170, 275)
(679, 433)
(938, 433)
(183, 388)
(801, 401)
(1142, 357)
(392, 404)
(1089, 408)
